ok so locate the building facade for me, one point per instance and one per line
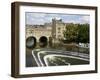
(54, 30)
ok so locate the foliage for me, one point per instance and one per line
(77, 33)
(83, 35)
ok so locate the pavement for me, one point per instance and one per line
(39, 55)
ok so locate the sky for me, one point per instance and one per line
(41, 18)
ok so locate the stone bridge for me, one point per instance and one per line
(38, 35)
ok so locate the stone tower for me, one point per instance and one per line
(54, 28)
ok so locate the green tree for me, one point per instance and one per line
(77, 33)
(71, 32)
(83, 33)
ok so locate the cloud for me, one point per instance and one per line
(82, 19)
(35, 15)
(41, 18)
(35, 18)
(86, 19)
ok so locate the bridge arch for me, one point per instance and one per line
(31, 42)
(43, 41)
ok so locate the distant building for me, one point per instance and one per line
(84, 45)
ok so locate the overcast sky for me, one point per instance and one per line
(41, 18)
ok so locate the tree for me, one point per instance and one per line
(71, 32)
(83, 33)
(77, 33)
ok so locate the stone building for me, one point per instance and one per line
(37, 32)
(54, 30)
(58, 28)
